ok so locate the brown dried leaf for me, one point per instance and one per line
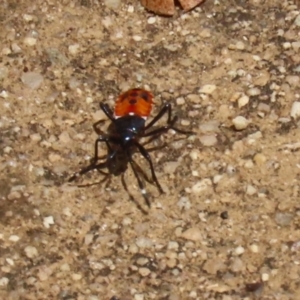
(167, 7)
(189, 4)
(162, 7)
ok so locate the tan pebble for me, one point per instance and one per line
(208, 140)
(31, 251)
(254, 248)
(53, 157)
(240, 122)
(208, 89)
(266, 277)
(242, 101)
(65, 138)
(239, 250)
(240, 45)
(144, 272)
(194, 98)
(205, 33)
(14, 238)
(259, 159)
(35, 137)
(73, 49)
(30, 41)
(76, 276)
(14, 195)
(171, 263)
(192, 234)
(202, 185)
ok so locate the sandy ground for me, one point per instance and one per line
(227, 226)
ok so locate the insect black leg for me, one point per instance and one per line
(108, 112)
(93, 164)
(167, 108)
(148, 158)
(140, 183)
(87, 169)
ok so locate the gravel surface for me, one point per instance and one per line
(227, 226)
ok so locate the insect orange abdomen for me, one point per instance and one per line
(134, 102)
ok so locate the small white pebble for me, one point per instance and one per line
(240, 122)
(239, 250)
(242, 101)
(30, 41)
(137, 38)
(144, 272)
(14, 238)
(254, 248)
(4, 281)
(130, 8)
(151, 20)
(208, 89)
(10, 261)
(73, 49)
(31, 252)
(240, 45)
(76, 276)
(265, 277)
(48, 221)
(200, 186)
(295, 110)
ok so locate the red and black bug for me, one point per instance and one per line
(128, 127)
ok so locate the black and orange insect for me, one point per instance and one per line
(128, 127)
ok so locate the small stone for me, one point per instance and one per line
(172, 245)
(144, 242)
(14, 238)
(253, 91)
(65, 138)
(88, 239)
(297, 21)
(48, 221)
(239, 250)
(251, 190)
(265, 277)
(31, 252)
(240, 45)
(208, 140)
(4, 281)
(65, 267)
(259, 159)
(184, 203)
(144, 272)
(142, 261)
(192, 234)
(171, 166)
(240, 122)
(214, 265)
(295, 110)
(242, 101)
(32, 80)
(264, 107)
(208, 89)
(254, 248)
(172, 263)
(151, 20)
(44, 273)
(211, 126)
(237, 265)
(114, 4)
(30, 41)
(139, 297)
(194, 98)
(137, 38)
(73, 49)
(283, 219)
(200, 186)
(76, 276)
